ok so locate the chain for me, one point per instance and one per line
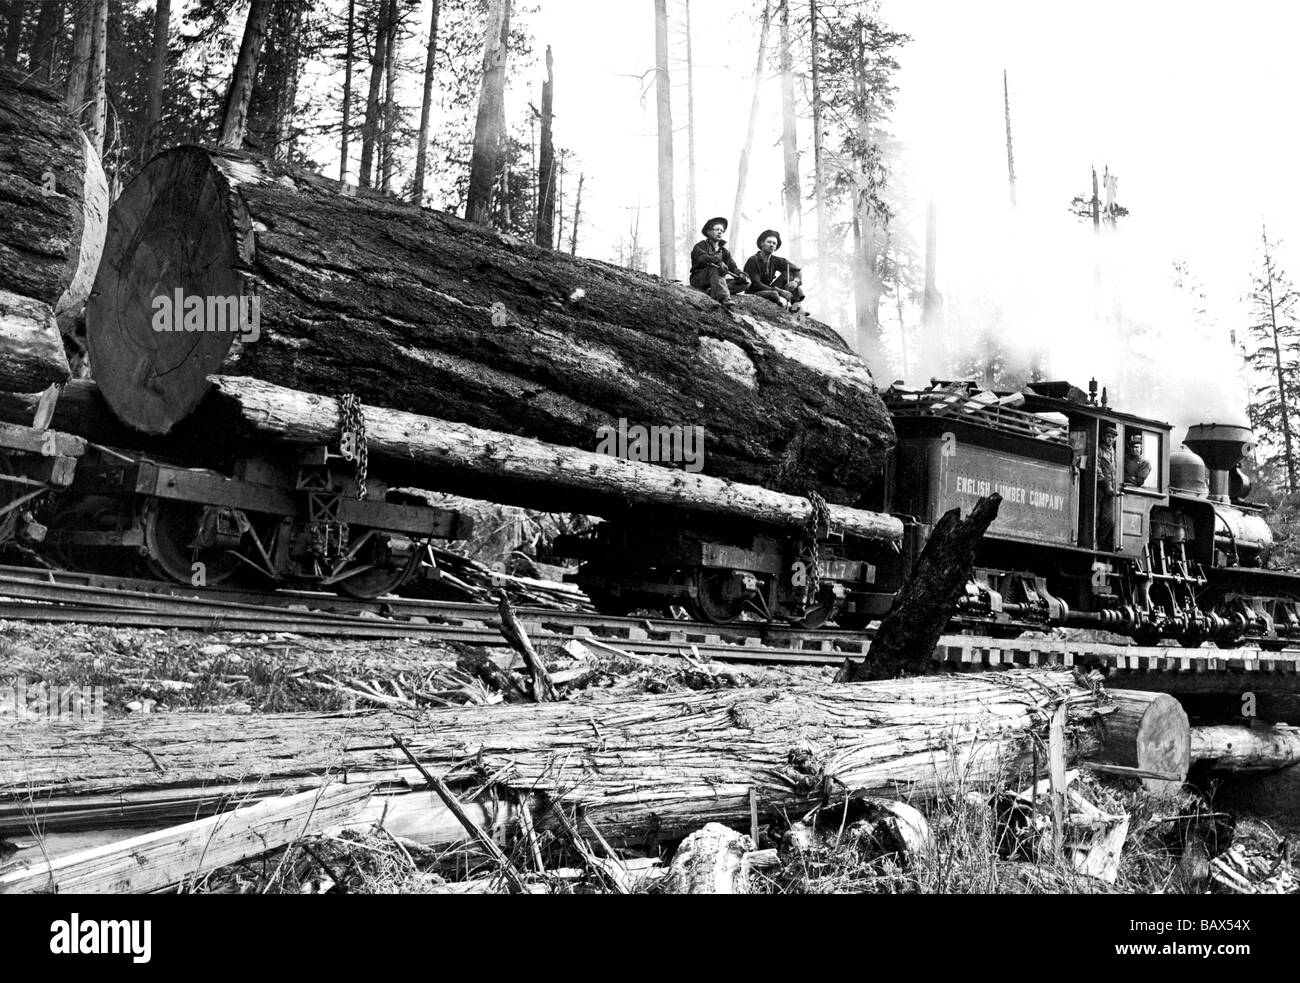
(819, 523)
(352, 438)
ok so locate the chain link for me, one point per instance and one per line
(818, 525)
(352, 438)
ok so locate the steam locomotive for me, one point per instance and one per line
(1174, 551)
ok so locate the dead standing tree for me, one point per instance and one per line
(545, 236)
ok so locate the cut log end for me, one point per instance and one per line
(171, 266)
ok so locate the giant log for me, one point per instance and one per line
(417, 311)
(641, 765)
(53, 198)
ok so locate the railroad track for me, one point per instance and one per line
(29, 594)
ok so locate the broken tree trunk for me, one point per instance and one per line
(1237, 749)
(53, 198)
(641, 766)
(31, 348)
(428, 453)
(907, 636)
(414, 310)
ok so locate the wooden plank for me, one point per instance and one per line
(180, 853)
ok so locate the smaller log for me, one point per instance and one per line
(174, 855)
(1149, 732)
(425, 452)
(906, 639)
(1245, 749)
(31, 348)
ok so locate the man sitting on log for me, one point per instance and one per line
(713, 269)
(774, 277)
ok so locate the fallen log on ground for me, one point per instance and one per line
(641, 766)
(904, 643)
(180, 854)
(1149, 735)
(429, 453)
(53, 198)
(31, 347)
(415, 310)
(1227, 748)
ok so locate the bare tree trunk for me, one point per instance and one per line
(692, 215)
(241, 83)
(734, 231)
(370, 129)
(490, 124)
(545, 234)
(1011, 160)
(790, 143)
(422, 148)
(45, 41)
(1281, 373)
(75, 95)
(347, 90)
(98, 80)
(388, 137)
(664, 112)
(819, 177)
(157, 72)
(867, 284)
(577, 216)
(271, 111)
(14, 30)
(931, 300)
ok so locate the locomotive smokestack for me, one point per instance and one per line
(1221, 446)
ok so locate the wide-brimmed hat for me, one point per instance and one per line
(713, 221)
(769, 232)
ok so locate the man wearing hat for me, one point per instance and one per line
(712, 267)
(773, 276)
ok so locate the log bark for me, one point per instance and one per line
(907, 636)
(31, 348)
(443, 456)
(641, 766)
(418, 311)
(53, 198)
(1245, 749)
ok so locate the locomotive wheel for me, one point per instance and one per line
(379, 580)
(710, 603)
(169, 529)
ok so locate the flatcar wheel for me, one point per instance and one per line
(814, 618)
(379, 580)
(170, 528)
(711, 603)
